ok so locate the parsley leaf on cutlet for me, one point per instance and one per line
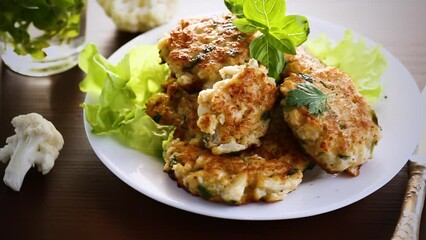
(307, 95)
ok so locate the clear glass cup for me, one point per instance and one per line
(61, 55)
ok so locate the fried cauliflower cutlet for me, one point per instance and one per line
(178, 108)
(232, 113)
(302, 62)
(230, 179)
(231, 142)
(265, 173)
(198, 47)
(344, 136)
(280, 143)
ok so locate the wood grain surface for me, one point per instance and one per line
(81, 199)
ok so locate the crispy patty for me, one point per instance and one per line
(228, 178)
(266, 173)
(279, 142)
(199, 47)
(178, 108)
(232, 113)
(302, 62)
(343, 138)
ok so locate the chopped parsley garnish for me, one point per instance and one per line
(307, 95)
(173, 162)
(310, 166)
(204, 192)
(306, 77)
(266, 115)
(292, 171)
(343, 157)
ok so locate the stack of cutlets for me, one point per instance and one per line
(231, 143)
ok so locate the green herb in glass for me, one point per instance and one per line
(55, 19)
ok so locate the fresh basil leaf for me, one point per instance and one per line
(294, 28)
(262, 50)
(236, 7)
(245, 26)
(280, 34)
(266, 12)
(284, 45)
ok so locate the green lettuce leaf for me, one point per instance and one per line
(362, 63)
(121, 91)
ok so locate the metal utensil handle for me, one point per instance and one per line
(411, 212)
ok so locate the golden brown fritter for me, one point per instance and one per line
(231, 179)
(302, 62)
(265, 173)
(343, 138)
(178, 108)
(280, 143)
(198, 47)
(231, 114)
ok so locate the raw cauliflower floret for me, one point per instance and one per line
(234, 114)
(36, 142)
(139, 15)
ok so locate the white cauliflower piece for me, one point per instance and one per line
(139, 15)
(36, 142)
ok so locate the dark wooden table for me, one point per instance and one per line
(81, 199)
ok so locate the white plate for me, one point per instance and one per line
(399, 116)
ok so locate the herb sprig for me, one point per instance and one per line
(278, 33)
(53, 18)
(307, 95)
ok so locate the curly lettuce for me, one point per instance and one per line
(121, 91)
(362, 63)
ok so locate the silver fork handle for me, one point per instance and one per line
(409, 221)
